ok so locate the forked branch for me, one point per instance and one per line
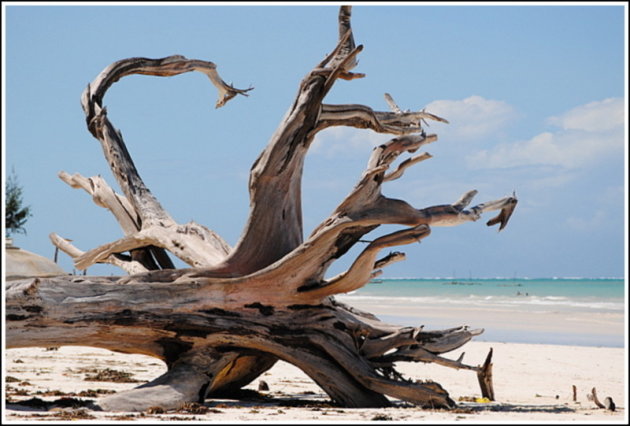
(144, 221)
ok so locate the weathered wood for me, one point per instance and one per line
(221, 323)
(484, 374)
(320, 339)
(593, 397)
(195, 244)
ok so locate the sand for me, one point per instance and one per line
(533, 383)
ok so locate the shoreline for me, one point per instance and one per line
(510, 323)
(532, 382)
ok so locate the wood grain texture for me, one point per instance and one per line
(226, 319)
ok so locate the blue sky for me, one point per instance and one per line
(535, 96)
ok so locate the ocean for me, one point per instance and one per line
(570, 311)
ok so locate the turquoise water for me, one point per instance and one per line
(564, 301)
(582, 294)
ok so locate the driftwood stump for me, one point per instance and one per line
(221, 323)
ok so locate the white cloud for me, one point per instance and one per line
(472, 118)
(599, 116)
(588, 133)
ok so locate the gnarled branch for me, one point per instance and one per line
(221, 323)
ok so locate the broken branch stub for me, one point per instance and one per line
(221, 323)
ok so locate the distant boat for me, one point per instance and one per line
(461, 283)
(469, 282)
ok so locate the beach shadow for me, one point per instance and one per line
(38, 404)
(253, 399)
(515, 408)
(246, 397)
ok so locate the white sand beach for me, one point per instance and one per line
(533, 383)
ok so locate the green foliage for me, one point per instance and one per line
(16, 214)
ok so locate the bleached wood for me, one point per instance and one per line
(104, 196)
(193, 243)
(126, 263)
(143, 219)
(228, 318)
(404, 165)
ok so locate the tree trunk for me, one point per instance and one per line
(228, 318)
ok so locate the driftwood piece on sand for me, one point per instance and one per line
(221, 323)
